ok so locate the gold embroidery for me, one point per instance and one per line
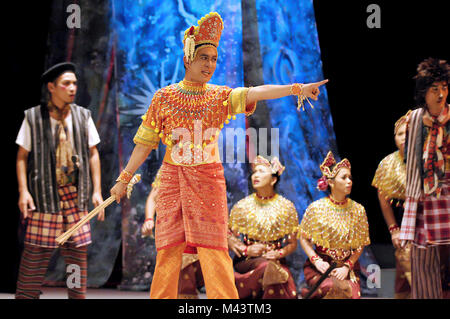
(390, 177)
(146, 136)
(274, 274)
(188, 259)
(237, 102)
(335, 226)
(264, 220)
(340, 289)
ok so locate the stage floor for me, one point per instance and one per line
(92, 293)
(102, 293)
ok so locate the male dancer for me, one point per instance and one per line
(192, 203)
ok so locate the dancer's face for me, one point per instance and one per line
(262, 177)
(400, 138)
(342, 183)
(202, 68)
(436, 95)
(63, 89)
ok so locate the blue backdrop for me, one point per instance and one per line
(149, 56)
(128, 49)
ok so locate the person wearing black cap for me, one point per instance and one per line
(56, 159)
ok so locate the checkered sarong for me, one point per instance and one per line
(44, 228)
(408, 226)
(432, 224)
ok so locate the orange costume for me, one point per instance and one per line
(191, 203)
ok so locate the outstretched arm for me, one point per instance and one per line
(269, 92)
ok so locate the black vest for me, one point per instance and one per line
(42, 159)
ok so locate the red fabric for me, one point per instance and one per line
(190, 250)
(431, 165)
(191, 279)
(312, 275)
(249, 275)
(192, 207)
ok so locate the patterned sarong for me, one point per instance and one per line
(259, 278)
(331, 288)
(192, 207)
(44, 228)
(433, 218)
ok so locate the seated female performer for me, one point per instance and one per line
(337, 226)
(267, 224)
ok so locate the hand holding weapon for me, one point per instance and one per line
(65, 236)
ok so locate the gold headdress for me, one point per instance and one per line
(400, 122)
(274, 164)
(206, 34)
(329, 162)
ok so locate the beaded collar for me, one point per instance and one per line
(264, 199)
(335, 226)
(195, 88)
(264, 221)
(338, 203)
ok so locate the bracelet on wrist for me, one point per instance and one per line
(314, 258)
(393, 228)
(296, 89)
(147, 219)
(124, 177)
(349, 264)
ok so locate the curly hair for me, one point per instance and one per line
(429, 71)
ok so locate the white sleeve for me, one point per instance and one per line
(94, 138)
(24, 137)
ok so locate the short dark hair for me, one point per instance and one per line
(429, 71)
(52, 74)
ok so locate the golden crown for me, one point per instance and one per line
(274, 164)
(206, 34)
(329, 162)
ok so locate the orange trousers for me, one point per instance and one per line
(217, 269)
